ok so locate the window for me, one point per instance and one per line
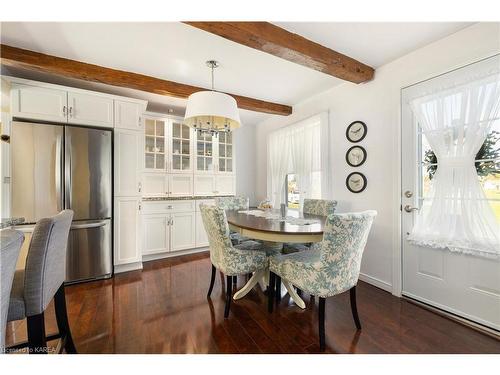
(292, 191)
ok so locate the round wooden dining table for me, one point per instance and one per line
(297, 227)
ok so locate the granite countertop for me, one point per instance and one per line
(153, 199)
(10, 221)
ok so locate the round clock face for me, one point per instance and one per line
(355, 156)
(356, 182)
(356, 131)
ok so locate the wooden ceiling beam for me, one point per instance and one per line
(269, 38)
(22, 58)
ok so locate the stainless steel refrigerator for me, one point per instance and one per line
(56, 167)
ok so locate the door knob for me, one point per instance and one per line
(409, 208)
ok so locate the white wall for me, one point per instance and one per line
(244, 143)
(377, 103)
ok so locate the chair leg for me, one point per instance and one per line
(37, 341)
(321, 323)
(212, 281)
(278, 289)
(235, 281)
(299, 292)
(62, 320)
(354, 307)
(229, 294)
(270, 291)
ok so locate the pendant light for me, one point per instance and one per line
(212, 111)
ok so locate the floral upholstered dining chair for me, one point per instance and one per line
(231, 260)
(320, 207)
(233, 203)
(330, 267)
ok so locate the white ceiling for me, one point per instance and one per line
(178, 52)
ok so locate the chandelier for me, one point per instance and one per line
(212, 111)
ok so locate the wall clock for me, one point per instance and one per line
(355, 156)
(356, 131)
(356, 182)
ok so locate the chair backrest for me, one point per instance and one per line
(344, 240)
(320, 207)
(215, 223)
(10, 245)
(231, 203)
(45, 269)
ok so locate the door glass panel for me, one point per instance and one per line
(150, 161)
(185, 162)
(150, 144)
(200, 148)
(160, 128)
(229, 151)
(160, 161)
(160, 145)
(208, 149)
(150, 127)
(229, 165)
(176, 146)
(222, 165)
(185, 132)
(185, 147)
(176, 130)
(176, 162)
(209, 165)
(200, 163)
(222, 150)
(229, 138)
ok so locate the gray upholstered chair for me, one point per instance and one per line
(231, 260)
(10, 245)
(233, 203)
(330, 267)
(41, 281)
(320, 207)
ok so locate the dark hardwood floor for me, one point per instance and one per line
(164, 309)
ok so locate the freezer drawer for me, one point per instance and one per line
(89, 250)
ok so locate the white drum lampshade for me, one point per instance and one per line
(212, 110)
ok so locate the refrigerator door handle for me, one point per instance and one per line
(86, 226)
(58, 172)
(68, 176)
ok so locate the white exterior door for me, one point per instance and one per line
(128, 162)
(127, 231)
(39, 103)
(465, 285)
(156, 234)
(88, 109)
(183, 230)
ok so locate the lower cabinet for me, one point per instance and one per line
(201, 234)
(127, 231)
(155, 234)
(182, 227)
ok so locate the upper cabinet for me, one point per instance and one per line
(225, 153)
(128, 115)
(39, 103)
(90, 109)
(214, 154)
(168, 146)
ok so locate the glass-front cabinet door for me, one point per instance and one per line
(204, 153)
(225, 154)
(155, 142)
(180, 148)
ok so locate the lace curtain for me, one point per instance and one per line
(455, 122)
(300, 149)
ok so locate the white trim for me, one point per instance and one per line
(172, 254)
(376, 282)
(119, 268)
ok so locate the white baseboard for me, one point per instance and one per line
(150, 257)
(119, 268)
(376, 282)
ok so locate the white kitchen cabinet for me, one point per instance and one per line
(201, 238)
(204, 185)
(128, 115)
(128, 162)
(90, 109)
(224, 185)
(127, 231)
(225, 154)
(205, 147)
(183, 231)
(180, 146)
(39, 103)
(156, 234)
(180, 185)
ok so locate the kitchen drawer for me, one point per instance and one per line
(159, 207)
(210, 202)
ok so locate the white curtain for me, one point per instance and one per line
(456, 121)
(279, 165)
(302, 149)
